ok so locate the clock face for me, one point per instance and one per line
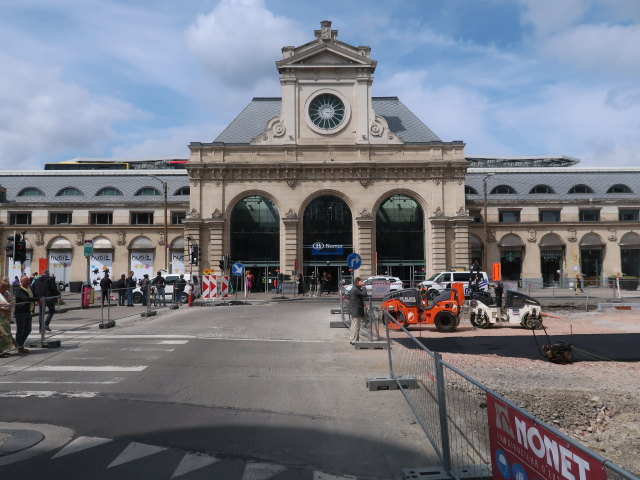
(326, 111)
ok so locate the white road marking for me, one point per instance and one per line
(81, 443)
(173, 342)
(135, 451)
(191, 462)
(46, 394)
(326, 476)
(37, 382)
(261, 471)
(145, 349)
(86, 368)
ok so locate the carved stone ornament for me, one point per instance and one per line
(376, 129)
(195, 183)
(573, 236)
(79, 238)
(274, 132)
(491, 235)
(462, 212)
(161, 241)
(365, 213)
(217, 214)
(39, 238)
(438, 212)
(364, 176)
(292, 182)
(122, 238)
(531, 235)
(193, 214)
(291, 215)
(613, 235)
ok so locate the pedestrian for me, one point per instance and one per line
(618, 277)
(34, 277)
(105, 288)
(356, 308)
(120, 286)
(313, 284)
(196, 287)
(323, 284)
(180, 285)
(279, 282)
(159, 282)
(46, 290)
(300, 284)
(145, 286)
(498, 289)
(25, 305)
(130, 283)
(15, 284)
(249, 279)
(475, 267)
(578, 285)
(7, 342)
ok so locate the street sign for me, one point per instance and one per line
(237, 269)
(88, 248)
(354, 261)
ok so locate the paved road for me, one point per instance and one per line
(249, 392)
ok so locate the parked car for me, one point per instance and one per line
(443, 280)
(395, 283)
(168, 289)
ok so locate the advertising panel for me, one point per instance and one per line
(142, 263)
(177, 263)
(60, 265)
(98, 264)
(15, 268)
(524, 450)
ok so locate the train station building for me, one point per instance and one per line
(297, 183)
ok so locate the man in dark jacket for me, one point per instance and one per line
(120, 287)
(181, 284)
(356, 308)
(25, 305)
(105, 287)
(130, 283)
(159, 282)
(46, 290)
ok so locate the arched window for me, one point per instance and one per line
(469, 190)
(400, 230)
(619, 188)
(31, 192)
(69, 192)
(148, 191)
(581, 188)
(108, 192)
(503, 190)
(542, 189)
(255, 231)
(182, 191)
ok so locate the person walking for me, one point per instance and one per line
(7, 342)
(120, 287)
(159, 282)
(105, 288)
(313, 283)
(46, 290)
(578, 283)
(181, 284)
(25, 305)
(145, 286)
(130, 283)
(356, 308)
(300, 281)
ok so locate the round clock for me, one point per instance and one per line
(326, 111)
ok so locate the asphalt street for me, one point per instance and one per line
(261, 391)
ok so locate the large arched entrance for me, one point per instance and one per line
(591, 256)
(511, 253)
(327, 238)
(255, 239)
(630, 255)
(551, 259)
(400, 239)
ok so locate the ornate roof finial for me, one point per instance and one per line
(325, 32)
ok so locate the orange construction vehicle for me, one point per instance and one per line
(409, 307)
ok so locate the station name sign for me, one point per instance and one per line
(321, 248)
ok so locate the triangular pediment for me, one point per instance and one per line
(326, 54)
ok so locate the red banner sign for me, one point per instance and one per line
(524, 450)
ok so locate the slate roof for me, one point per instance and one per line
(90, 182)
(252, 121)
(522, 180)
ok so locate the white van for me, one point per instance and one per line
(443, 280)
(170, 279)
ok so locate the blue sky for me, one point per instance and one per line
(142, 78)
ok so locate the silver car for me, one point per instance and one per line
(394, 283)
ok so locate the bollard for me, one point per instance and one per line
(190, 299)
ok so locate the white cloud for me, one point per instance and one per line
(239, 41)
(42, 116)
(550, 16)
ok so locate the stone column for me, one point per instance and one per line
(213, 248)
(438, 243)
(289, 239)
(461, 249)
(364, 243)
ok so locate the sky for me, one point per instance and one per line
(143, 78)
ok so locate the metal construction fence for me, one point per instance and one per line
(451, 408)
(370, 328)
(50, 317)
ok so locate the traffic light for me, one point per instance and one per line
(195, 254)
(10, 248)
(21, 249)
(222, 263)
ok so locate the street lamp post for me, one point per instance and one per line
(166, 225)
(485, 253)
